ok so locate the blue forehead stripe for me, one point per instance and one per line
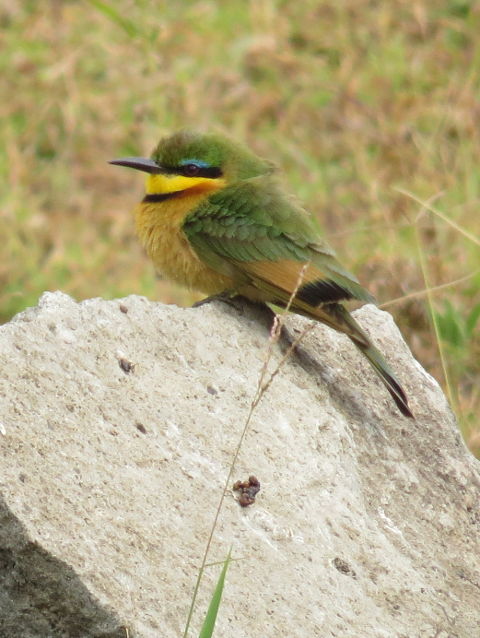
(197, 162)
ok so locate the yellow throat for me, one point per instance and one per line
(163, 184)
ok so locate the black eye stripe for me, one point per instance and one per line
(211, 172)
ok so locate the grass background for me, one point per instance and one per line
(353, 100)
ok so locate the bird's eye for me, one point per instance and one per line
(190, 170)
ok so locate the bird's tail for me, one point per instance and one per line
(386, 375)
(338, 317)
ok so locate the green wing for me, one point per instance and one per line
(253, 228)
(251, 232)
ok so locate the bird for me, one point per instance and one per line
(216, 219)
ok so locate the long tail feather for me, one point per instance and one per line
(340, 319)
(387, 377)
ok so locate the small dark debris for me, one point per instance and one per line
(22, 477)
(123, 308)
(126, 365)
(141, 428)
(211, 390)
(343, 567)
(248, 490)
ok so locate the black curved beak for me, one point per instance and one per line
(139, 163)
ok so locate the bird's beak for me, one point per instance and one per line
(140, 163)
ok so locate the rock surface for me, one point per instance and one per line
(119, 422)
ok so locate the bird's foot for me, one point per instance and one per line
(229, 298)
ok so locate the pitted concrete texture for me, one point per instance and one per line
(119, 421)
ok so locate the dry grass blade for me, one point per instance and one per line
(262, 387)
(428, 291)
(275, 334)
(433, 318)
(426, 205)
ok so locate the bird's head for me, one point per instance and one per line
(202, 161)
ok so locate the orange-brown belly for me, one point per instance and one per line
(159, 227)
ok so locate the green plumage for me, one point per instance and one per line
(246, 231)
(215, 150)
(254, 220)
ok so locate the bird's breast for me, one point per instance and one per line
(159, 227)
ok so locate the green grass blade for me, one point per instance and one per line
(472, 320)
(209, 622)
(109, 10)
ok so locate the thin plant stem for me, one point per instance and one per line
(429, 295)
(262, 387)
(427, 206)
(425, 292)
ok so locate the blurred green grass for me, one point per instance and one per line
(352, 100)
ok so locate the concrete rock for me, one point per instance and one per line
(119, 421)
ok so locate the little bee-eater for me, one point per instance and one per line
(215, 218)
